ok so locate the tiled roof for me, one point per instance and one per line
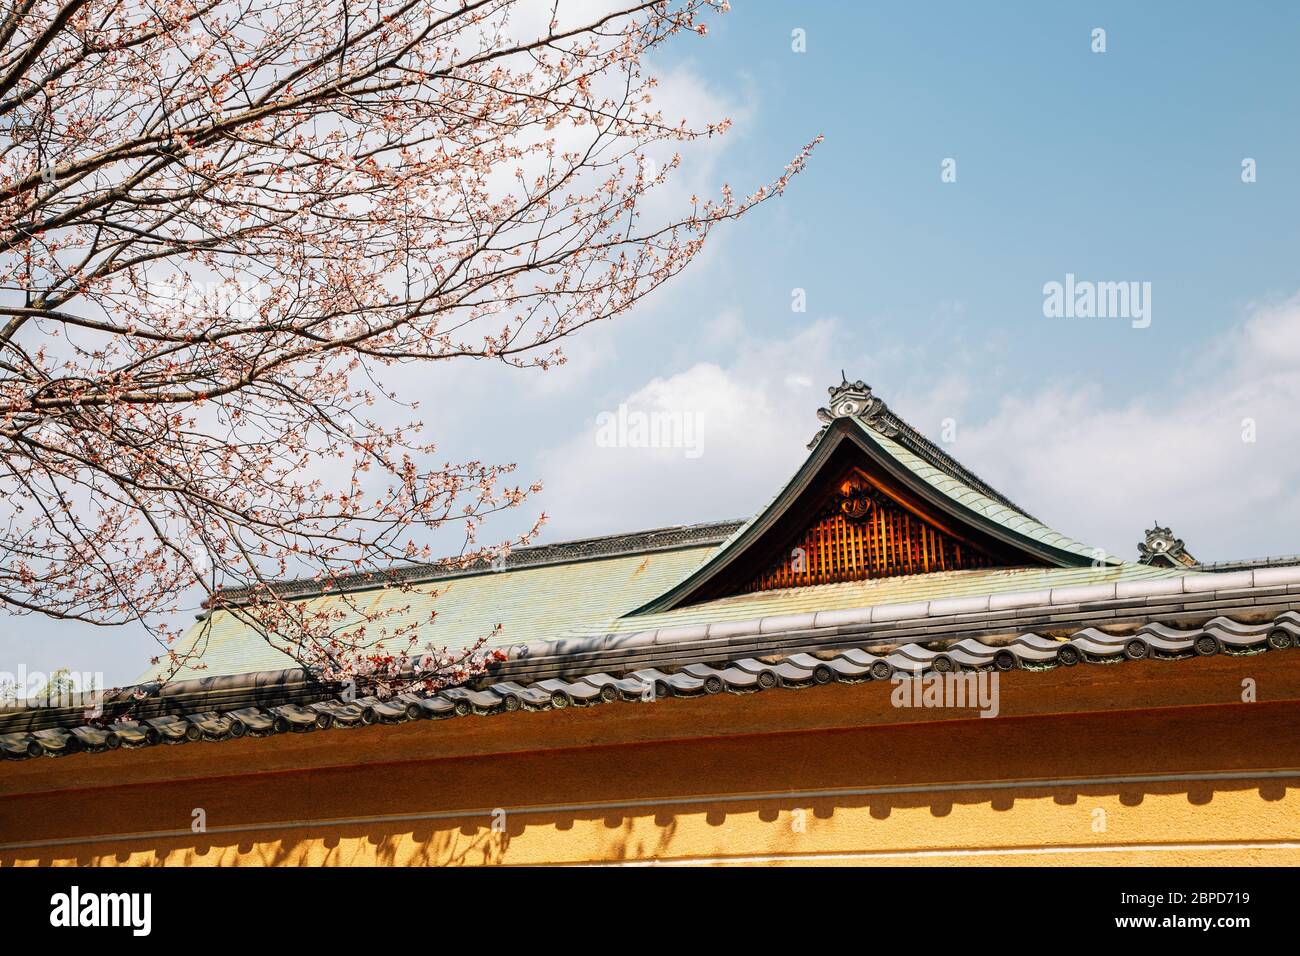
(561, 552)
(556, 603)
(1061, 626)
(576, 585)
(996, 515)
(622, 583)
(742, 675)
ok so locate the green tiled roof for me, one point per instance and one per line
(984, 502)
(530, 603)
(594, 597)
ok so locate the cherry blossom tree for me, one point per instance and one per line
(225, 225)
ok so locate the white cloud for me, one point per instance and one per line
(724, 330)
(1102, 467)
(751, 430)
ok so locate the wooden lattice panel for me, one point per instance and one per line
(862, 534)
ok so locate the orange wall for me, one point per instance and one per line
(1197, 777)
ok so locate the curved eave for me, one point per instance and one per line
(841, 430)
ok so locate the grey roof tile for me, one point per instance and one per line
(746, 674)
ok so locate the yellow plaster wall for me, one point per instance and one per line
(1205, 785)
(1255, 823)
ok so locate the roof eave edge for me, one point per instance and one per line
(1125, 595)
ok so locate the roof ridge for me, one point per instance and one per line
(574, 550)
(1247, 564)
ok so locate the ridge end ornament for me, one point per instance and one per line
(855, 400)
(1162, 547)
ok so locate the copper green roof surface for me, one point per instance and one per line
(530, 603)
(594, 597)
(1011, 519)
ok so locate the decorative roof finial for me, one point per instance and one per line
(1163, 549)
(855, 400)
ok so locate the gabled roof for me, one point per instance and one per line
(860, 427)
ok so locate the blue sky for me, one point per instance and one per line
(1115, 166)
(1123, 165)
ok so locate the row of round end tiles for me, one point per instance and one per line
(854, 665)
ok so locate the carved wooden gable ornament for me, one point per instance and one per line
(861, 531)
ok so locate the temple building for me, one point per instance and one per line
(890, 663)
